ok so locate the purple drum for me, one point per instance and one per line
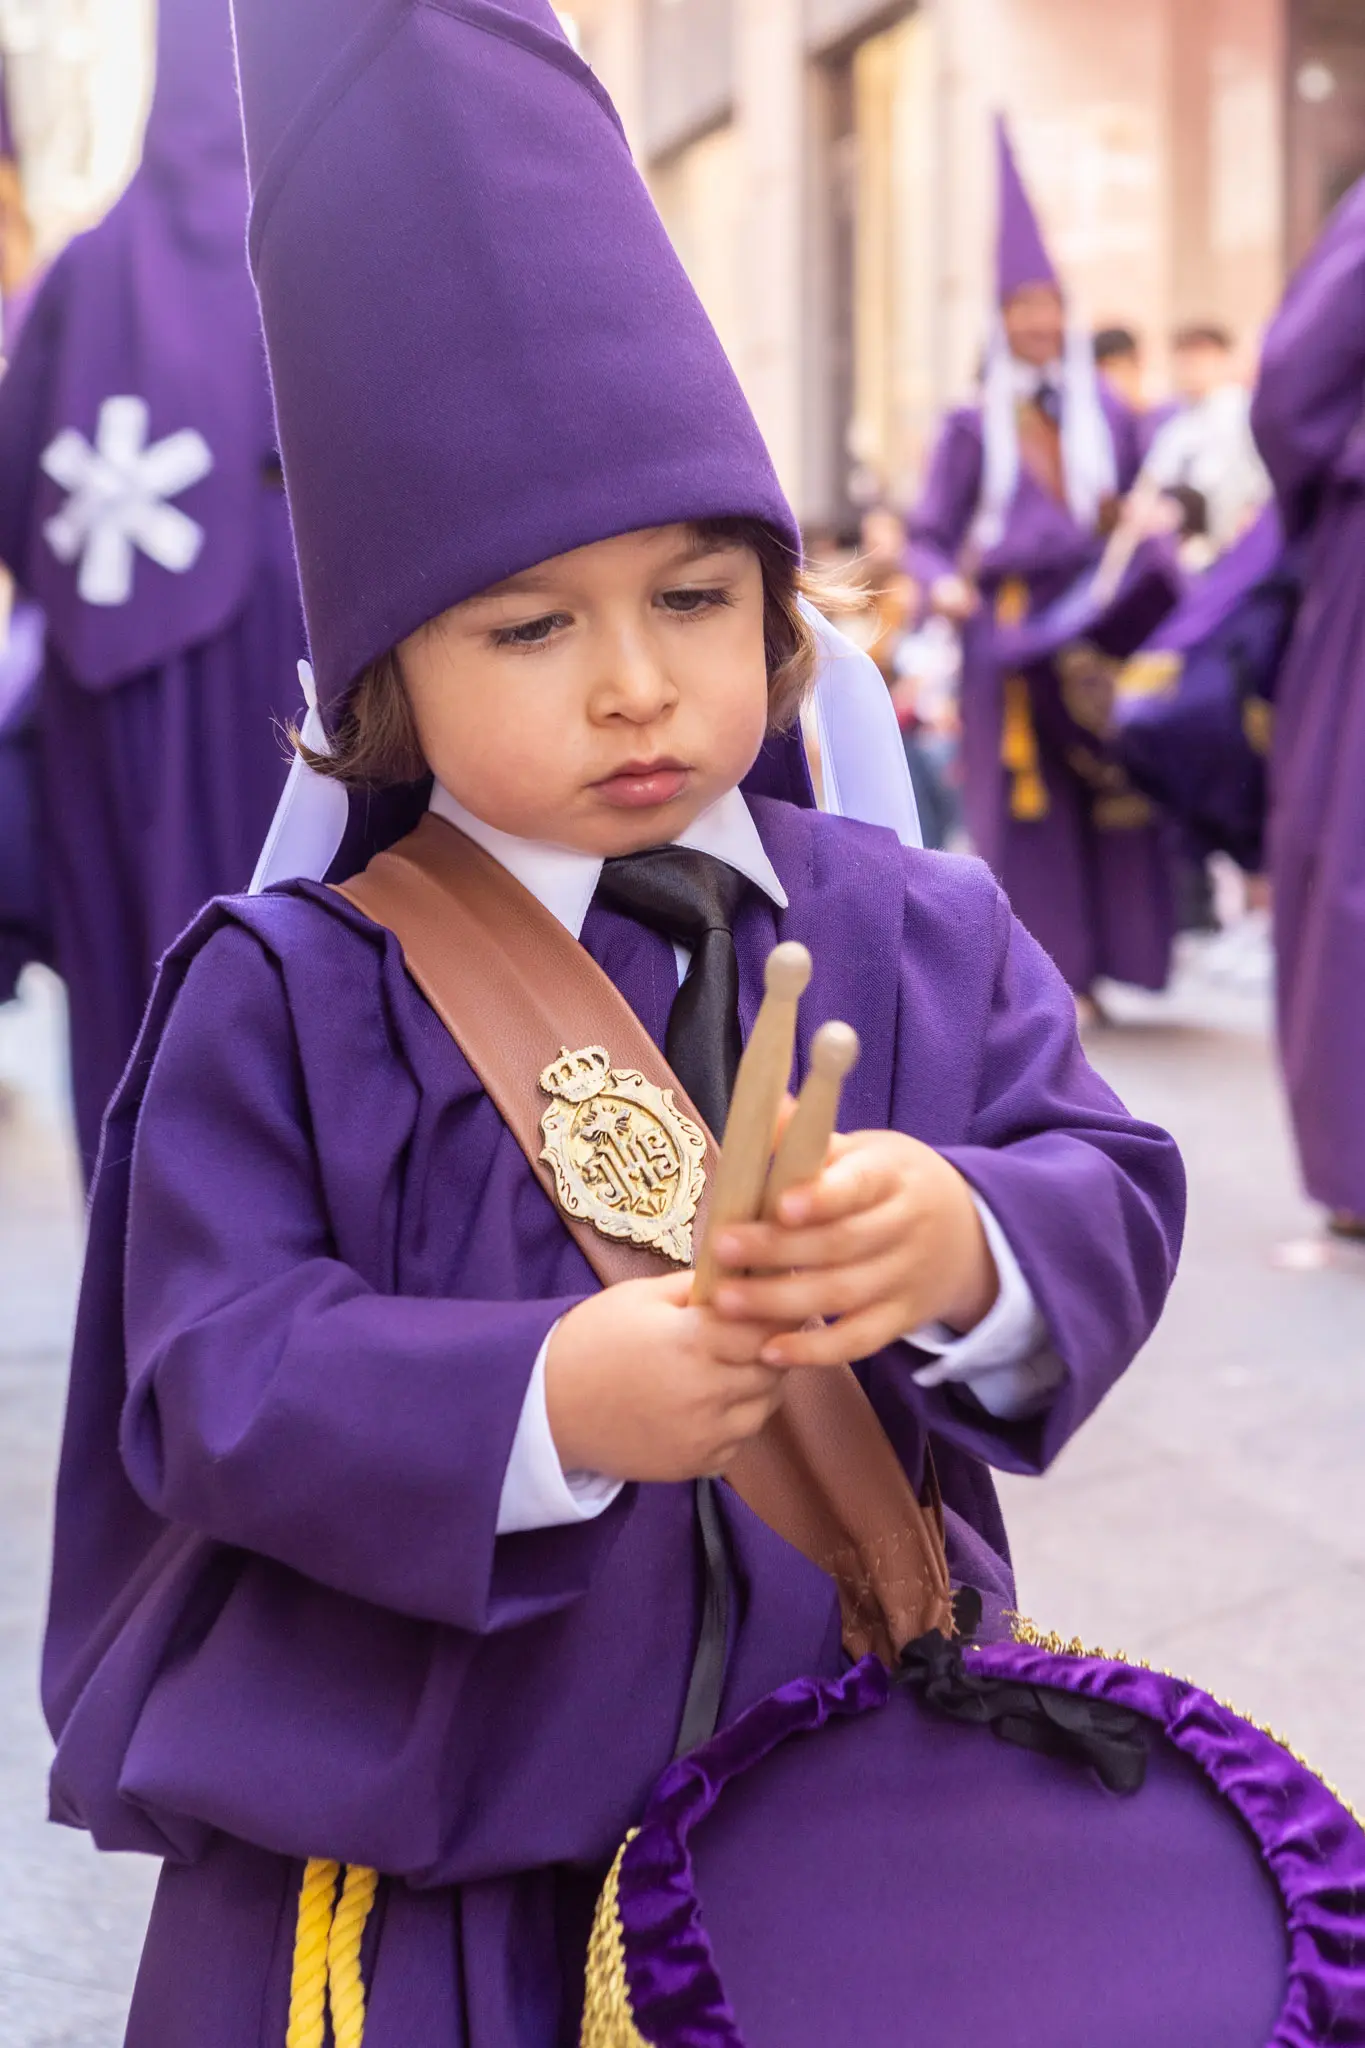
(861, 1861)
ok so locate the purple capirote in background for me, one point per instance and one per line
(141, 507)
(1021, 254)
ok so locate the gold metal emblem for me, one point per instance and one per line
(624, 1156)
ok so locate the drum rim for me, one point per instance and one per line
(651, 1967)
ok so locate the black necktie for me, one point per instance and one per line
(692, 898)
(1048, 400)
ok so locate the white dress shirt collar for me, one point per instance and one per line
(1028, 380)
(565, 881)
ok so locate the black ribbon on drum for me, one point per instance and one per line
(1045, 1718)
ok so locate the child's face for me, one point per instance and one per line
(603, 699)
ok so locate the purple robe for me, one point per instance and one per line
(1307, 418)
(25, 930)
(1098, 899)
(160, 758)
(1196, 743)
(320, 1271)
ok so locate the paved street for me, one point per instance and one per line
(1209, 1519)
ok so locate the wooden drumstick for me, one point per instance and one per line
(760, 1085)
(801, 1153)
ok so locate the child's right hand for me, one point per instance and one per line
(640, 1385)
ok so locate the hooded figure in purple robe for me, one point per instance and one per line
(25, 926)
(141, 507)
(1194, 705)
(1309, 420)
(292, 1613)
(1019, 491)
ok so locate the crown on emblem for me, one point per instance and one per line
(575, 1076)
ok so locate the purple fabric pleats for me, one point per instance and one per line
(1311, 1845)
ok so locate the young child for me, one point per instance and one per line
(376, 1535)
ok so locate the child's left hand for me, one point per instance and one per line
(885, 1240)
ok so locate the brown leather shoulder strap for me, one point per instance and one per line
(513, 988)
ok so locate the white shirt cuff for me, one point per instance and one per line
(1007, 1361)
(537, 1493)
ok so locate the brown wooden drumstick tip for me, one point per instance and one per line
(805, 1142)
(833, 1050)
(737, 1192)
(787, 971)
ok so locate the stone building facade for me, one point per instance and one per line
(824, 168)
(77, 74)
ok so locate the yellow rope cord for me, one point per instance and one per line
(308, 1982)
(345, 1983)
(327, 1938)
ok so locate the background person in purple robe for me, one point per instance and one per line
(141, 506)
(1194, 706)
(25, 925)
(1019, 491)
(25, 933)
(1309, 419)
(374, 1541)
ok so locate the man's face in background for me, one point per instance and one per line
(1035, 325)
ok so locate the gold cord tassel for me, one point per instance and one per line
(1019, 752)
(1029, 799)
(327, 1939)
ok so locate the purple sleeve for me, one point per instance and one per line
(1091, 1200)
(1311, 386)
(277, 1402)
(939, 523)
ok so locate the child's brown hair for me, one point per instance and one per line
(376, 746)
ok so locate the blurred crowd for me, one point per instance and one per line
(1201, 481)
(1085, 618)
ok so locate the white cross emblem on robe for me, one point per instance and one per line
(118, 499)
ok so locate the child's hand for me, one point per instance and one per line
(638, 1385)
(885, 1240)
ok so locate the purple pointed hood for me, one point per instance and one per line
(135, 416)
(1021, 256)
(483, 348)
(192, 145)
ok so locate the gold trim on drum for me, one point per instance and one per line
(607, 2018)
(1027, 1632)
